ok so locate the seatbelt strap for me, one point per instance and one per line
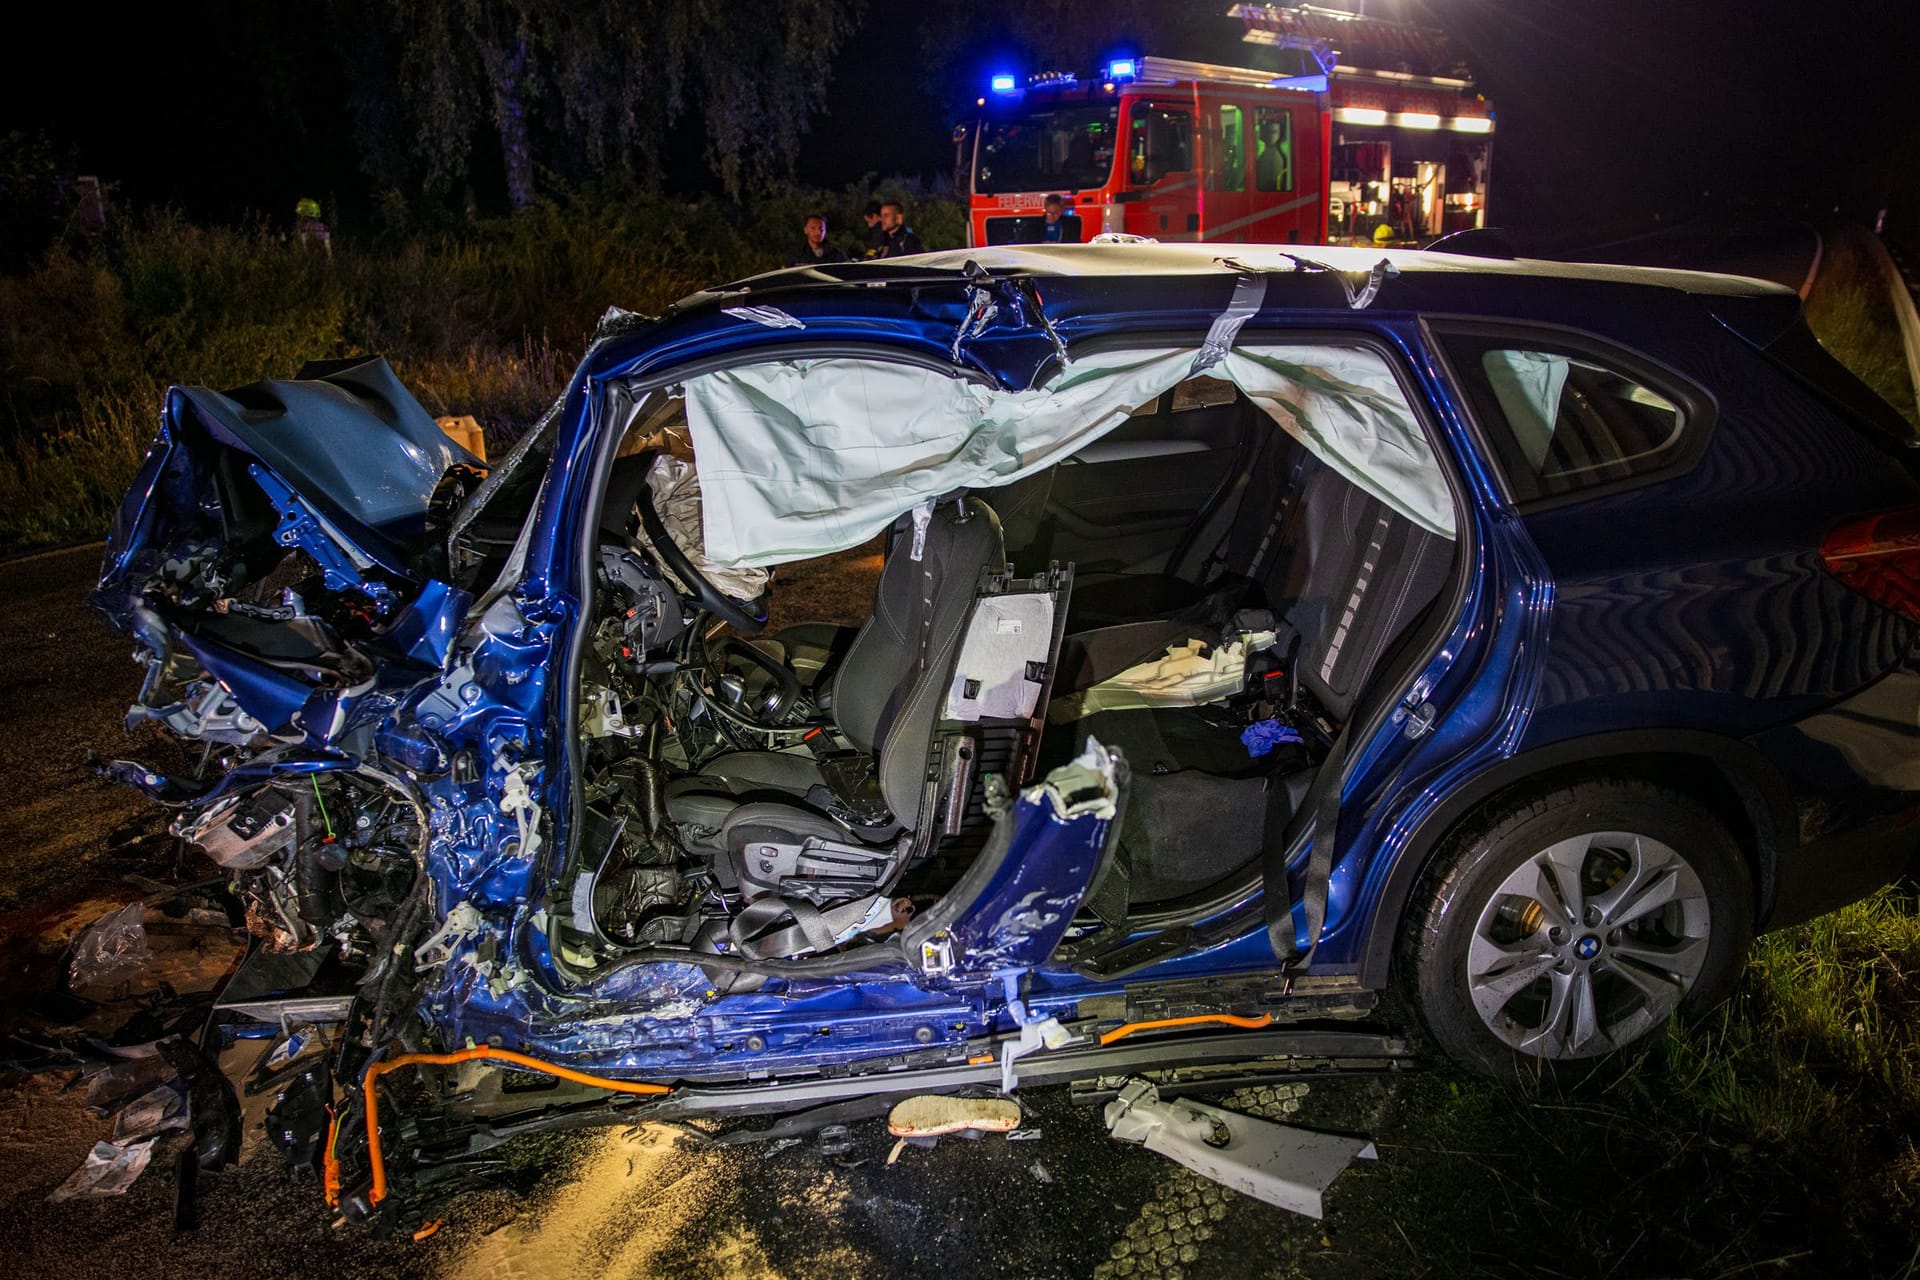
(1281, 509)
(812, 930)
(1313, 894)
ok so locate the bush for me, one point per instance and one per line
(487, 319)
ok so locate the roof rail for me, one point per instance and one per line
(1477, 242)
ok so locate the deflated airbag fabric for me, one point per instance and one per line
(1346, 407)
(1528, 385)
(803, 457)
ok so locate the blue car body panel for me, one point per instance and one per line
(1693, 605)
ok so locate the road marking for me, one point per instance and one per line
(31, 556)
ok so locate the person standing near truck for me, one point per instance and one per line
(876, 234)
(1053, 227)
(900, 238)
(813, 248)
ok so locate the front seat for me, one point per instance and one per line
(827, 829)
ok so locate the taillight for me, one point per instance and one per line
(1879, 556)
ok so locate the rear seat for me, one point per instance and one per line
(1342, 572)
(1344, 575)
(1351, 574)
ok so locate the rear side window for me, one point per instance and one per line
(1227, 166)
(1562, 421)
(1273, 149)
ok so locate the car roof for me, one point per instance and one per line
(1147, 258)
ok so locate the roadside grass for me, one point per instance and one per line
(1850, 311)
(486, 320)
(1774, 1136)
(1777, 1129)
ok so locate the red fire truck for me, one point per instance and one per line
(1376, 136)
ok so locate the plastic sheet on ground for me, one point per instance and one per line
(110, 1168)
(112, 947)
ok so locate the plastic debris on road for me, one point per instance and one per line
(162, 1109)
(110, 1168)
(1277, 1163)
(148, 1100)
(112, 946)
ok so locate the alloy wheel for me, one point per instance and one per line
(1588, 944)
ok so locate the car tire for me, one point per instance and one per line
(1569, 924)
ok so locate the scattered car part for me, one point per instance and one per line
(1280, 1164)
(930, 1115)
(109, 1169)
(370, 1106)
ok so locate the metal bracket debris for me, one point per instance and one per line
(772, 317)
(1277, 1163)
(1030, 292)
(300, 526)
(981, 310)
(462, 922)
(516, 798)
(1035, 1033)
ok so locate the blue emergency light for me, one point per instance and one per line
(1003, 84)
(1122, 69)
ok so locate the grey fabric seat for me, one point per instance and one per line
(1351, 575)
(885, 693)
(1342, 571)
(1344, 575)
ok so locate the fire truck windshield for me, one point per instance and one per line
(1063, 148)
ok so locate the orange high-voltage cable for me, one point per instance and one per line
(1230, 1019)
(370, 1094)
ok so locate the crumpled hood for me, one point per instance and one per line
(346, 436)
(278, 541)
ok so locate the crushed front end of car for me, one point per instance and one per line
(373, 766)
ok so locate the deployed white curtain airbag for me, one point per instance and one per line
(799, 458)
(1528, 385)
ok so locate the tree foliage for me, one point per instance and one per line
(596, 90)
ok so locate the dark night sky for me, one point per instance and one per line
(1609, 109)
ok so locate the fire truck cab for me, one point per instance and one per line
(1179, 150)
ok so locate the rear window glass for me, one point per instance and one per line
(1562, 421)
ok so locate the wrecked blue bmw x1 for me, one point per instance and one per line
(1252, 633)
